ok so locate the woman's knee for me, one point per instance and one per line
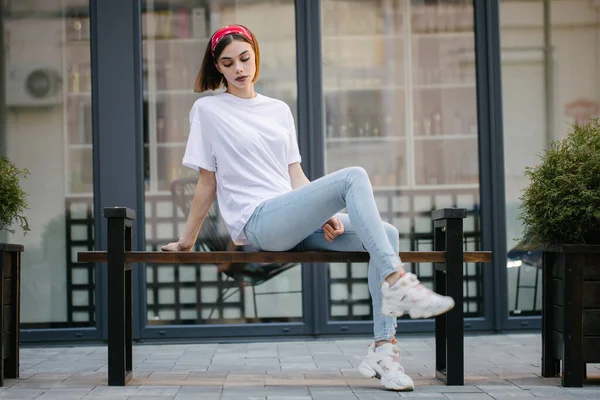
(355, 173)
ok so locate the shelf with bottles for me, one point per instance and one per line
(442, 18)
(445, 125)
(444, 113)
(384, 161)
(172, 127)
(362, 131)
(176, 24)
(452, 162)
(367, 17)
(453, 76)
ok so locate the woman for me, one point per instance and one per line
(244, 146)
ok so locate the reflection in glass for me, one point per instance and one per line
(48, 131)
(174, 41)
(548, 83)
(400, 101)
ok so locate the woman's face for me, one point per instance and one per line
(237, 64)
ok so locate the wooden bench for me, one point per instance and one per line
(448, 255)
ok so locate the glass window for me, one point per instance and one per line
(400, 101)
(547, 85)
(47, 129)
(175, 34)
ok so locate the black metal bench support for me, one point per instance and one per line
(449, 346)
(448, 280)
(120, 339)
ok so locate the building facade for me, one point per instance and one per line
(443, 102)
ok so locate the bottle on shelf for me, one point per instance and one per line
(175, 133)
(427, 127)
(457, 124)
(75, 79)
(199, 23)
(160, 129)
(183, 23)
(376, 177)
(392, 179)
(399, 169)
(436, 123)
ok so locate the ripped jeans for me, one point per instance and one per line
(293, 221)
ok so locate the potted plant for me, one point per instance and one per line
(13, 203)
(560, 211)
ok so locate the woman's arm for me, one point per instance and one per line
(297, 175)
(203, 199)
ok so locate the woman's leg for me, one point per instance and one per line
(384, 362)
(384, 326)
(283, 222)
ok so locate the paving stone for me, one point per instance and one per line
(496, 366)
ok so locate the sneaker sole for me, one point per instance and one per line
(417, 313)
(369, 372)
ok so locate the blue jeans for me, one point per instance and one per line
(293, 221)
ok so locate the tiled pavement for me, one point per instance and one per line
(496, 367)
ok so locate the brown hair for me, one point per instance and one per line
(209, 77)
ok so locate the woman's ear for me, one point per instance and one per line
(218, 68)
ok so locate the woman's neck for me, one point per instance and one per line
(247, 93)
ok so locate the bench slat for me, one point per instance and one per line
(263, 256)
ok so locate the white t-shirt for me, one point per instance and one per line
(249, 143)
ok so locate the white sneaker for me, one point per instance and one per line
(385, 366)
(409, 296)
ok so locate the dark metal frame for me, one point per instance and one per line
(117, 134)
(120, 340)
(449, 343)
(491, 162)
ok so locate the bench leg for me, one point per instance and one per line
(454, 287)
(440, 327)
(118, 351)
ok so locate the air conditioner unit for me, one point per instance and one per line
(33, 86)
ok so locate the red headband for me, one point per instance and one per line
(228, 30)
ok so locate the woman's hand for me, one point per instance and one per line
(333, 228)
(177, 246)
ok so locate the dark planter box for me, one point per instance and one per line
(10, 265)
(570, 311)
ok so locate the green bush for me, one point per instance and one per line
(13, 200)
(561, 205)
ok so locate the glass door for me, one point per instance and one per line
(399, 94)
(47, 128)
(175, 34)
